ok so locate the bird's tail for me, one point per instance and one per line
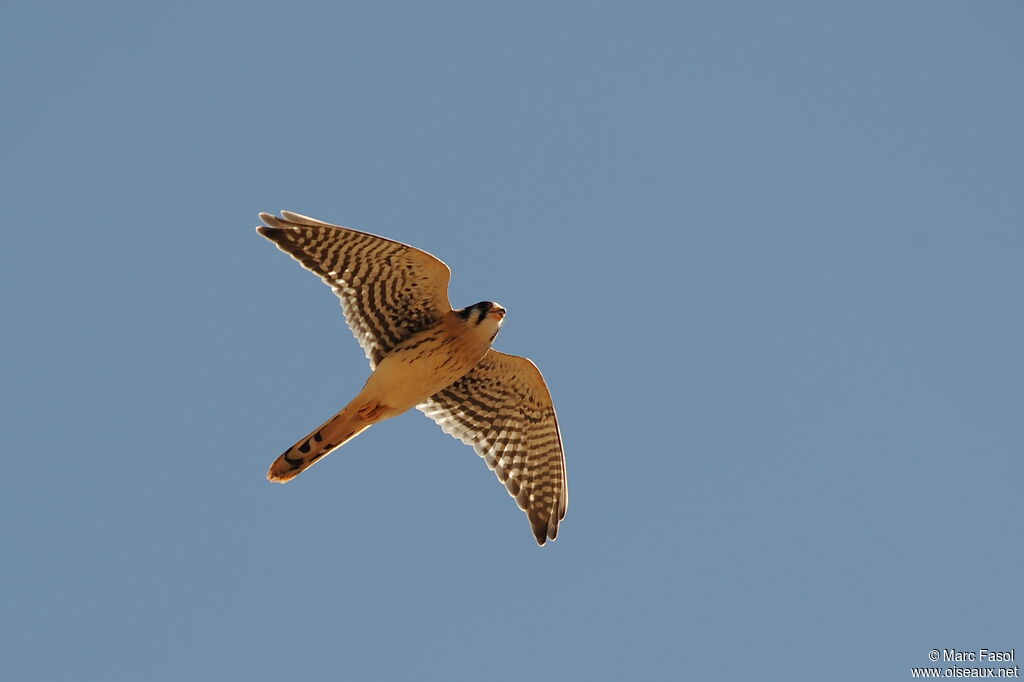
(330, 435)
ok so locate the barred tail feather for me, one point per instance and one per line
(330, 435)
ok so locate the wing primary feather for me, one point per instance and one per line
(503, 409)
(389, 291)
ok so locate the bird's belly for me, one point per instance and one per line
(411, 373)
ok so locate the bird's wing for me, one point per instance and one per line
(388, 290)
(503, 408)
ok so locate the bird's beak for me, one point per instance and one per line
(497, 312)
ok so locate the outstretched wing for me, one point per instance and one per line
(388, 290)
(503, 408)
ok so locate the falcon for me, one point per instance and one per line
(426, 355)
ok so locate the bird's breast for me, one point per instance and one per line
(424, 364)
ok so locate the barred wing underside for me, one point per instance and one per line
(503, 408)
(388, 290)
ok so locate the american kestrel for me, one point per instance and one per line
(425, 355)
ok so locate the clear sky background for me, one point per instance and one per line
(769, 256)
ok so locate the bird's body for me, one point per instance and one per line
(408, 375)
(433, 359)
(426, 355)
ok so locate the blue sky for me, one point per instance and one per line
(768, 256)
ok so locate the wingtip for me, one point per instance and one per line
(291, 216)
(271, 233)
(540, 534)
(272, 227)
(272, 220)
(543, 531)
(289, 219)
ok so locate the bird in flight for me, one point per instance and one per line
(426, 355)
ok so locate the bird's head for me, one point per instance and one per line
(487, 316)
